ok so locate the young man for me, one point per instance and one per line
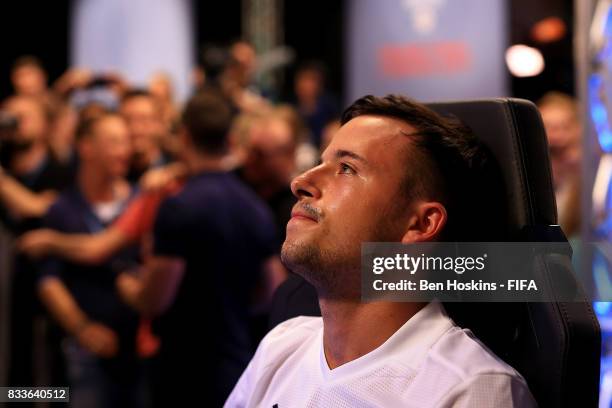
(212, 240)
(103, 369)
(393, 173)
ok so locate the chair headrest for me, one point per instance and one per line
(513, 131)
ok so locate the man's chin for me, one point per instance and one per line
(296, 255)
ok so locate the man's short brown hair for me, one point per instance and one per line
(207, 118)
(445, 163)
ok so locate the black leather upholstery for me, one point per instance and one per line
(555, 345)
(512, 130)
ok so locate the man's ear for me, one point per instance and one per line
(426, 222)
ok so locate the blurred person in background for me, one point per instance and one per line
(143, 115)
(270, 163)
(72, 106)
(269, 140)
(26, 157)
(135, 223)
(61, 134)
(244, 62)
(102, 367)
(316, 106)
(230, 70)
(212, 243)
(306, 155)
(563, 130)
(29, 78)
(160, 87)
(30, 178)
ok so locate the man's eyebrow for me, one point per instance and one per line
(346, 153)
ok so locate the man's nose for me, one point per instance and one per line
(304, 185)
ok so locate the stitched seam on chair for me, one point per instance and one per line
(525, 160)
(547, 169)
(563, 309)
(558, 323)
(592, 316)
(509, 116)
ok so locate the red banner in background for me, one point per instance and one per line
(423, 59)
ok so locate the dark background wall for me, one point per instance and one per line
(39, 28)
(315, 30)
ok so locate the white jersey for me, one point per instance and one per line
(428, 362)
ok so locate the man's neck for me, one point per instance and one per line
(97, 188)
(199, 163)
(352, 329)
(29, 160)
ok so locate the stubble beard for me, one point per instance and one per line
(334, 274)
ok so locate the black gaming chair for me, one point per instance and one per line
(556, 346)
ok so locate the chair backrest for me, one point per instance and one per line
(556, 346)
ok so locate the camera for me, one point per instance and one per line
(100, 81)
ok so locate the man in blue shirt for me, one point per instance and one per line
(212, 242)
(102, 366)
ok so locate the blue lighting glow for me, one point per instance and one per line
(602, 308)
(599, 114)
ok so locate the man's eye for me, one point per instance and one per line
(346, 169)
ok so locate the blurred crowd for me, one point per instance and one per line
(146, 232)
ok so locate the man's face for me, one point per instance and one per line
(29, 80)
(108, 148)
(144, 124)
(31, 117)
(353, 196)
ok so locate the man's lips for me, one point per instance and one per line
(302, 215)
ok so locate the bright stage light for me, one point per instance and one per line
(524, 61)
